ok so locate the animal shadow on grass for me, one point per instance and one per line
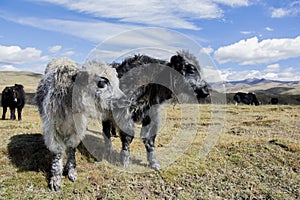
(93, 148)
(29, 153)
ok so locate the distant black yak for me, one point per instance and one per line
(245, 98)
(274, 101)
(13, 97)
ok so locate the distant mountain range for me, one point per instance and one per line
(263, 86)
(254, 81)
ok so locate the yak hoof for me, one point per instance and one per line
(73, 179)
(55, 183)
(72, 175)
(152, 161)
(155, 166)
(125, 157)
(56, 188)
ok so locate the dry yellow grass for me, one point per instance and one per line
(28, 79)
(256, 156)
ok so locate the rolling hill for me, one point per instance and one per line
(28, 79)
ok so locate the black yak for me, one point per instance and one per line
(249, 99)
(14, 98)
(182, 70)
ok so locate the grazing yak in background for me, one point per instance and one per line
(66, 97)
(144, 101)
(14, 98)
(246, 98)
(274, 101)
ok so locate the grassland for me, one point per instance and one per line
(28, 79)
(256, 156)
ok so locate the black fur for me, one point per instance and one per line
(274, 101)
(145, 99)
(245, 98)
(14, 98)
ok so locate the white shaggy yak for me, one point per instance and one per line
(66, 96)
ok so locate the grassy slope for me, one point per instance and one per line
(256, 156)
(28, 79)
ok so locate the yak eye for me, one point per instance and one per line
(103, 82)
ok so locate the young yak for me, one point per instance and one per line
(66, 97)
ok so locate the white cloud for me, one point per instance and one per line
(157, 42)
(92, 31)
(241, 75)
(207, 50)
(212, 74)
(269, 29)
(272, 68)
(290, 9)
(285, 74)
(251, 51)
(170, 14)
(153, 12)
(126, 15)
(233, 3)
(246, 32)
(271, 76)
(8, 68)
(55, 49)
(17, 55)
(279, 13)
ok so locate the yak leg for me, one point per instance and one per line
(113, 130)
(125, 124)
(12, 113)
(71, 164)
(4, 112)
(19, 113)
(56, 171)
(125, 152)
(148, 134)
(107, 127)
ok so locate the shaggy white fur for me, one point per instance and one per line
(66, 96)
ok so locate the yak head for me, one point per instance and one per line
(187, 65)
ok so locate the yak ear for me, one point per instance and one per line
(174, 59)
(81, 78)
(177, 62)
(19, 85)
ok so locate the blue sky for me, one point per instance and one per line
(244, 38)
